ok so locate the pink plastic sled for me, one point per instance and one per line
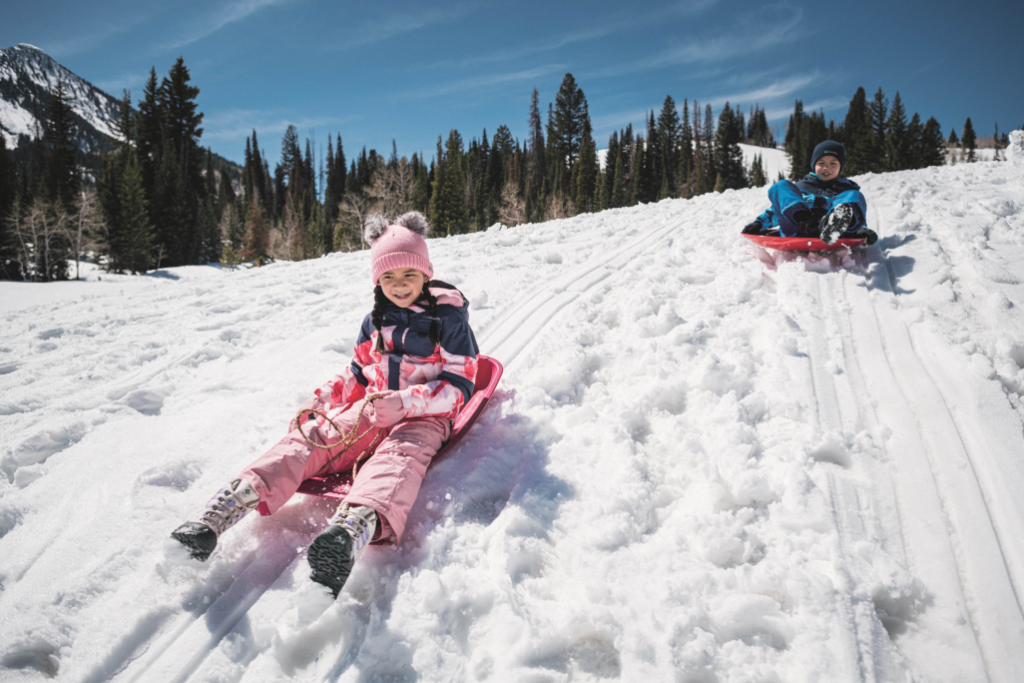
(488, 372)
(781, 243)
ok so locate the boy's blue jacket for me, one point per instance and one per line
(815, 192)
(812, 184)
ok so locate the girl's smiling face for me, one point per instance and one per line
(827, 167)
(402, 286)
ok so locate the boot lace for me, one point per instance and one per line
(229, 505)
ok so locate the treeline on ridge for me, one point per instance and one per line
(161, 199)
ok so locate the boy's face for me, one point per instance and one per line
(402, 286)
(827, 167)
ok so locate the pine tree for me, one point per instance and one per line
(569, 113)
(708, 145)
(257, 234)
(174, 220)
(796, 142)
(698, 178)
(685, 153)
(969, 141)
(878, 110)
(182, 132)
(138, 231)
(586, 177)
(622, 183)
(536, 166)
(757, 174)
(669, 134)
(644, 190)
(897, 147)
(954, 141)
(915, 142)
(933, 145)
(62, 181)
(448, 206)
(728, 155)
(150, 132)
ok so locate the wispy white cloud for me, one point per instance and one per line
(769, 92)
(235, 124)
(219, 17)
(827, 104)
(607, 25)
(394, 24)
(607, 123)
(928, 67)
(86, 40)
(488, 80)
(114, 86)
(773, 25)
(540, 47)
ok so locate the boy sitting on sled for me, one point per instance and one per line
(821, 205)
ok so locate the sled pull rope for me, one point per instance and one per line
(347, 440)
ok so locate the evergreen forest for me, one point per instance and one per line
(160, 199)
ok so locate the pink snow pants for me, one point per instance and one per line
(388, 481)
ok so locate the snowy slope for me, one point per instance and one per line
(27, 76)
(704, 463)
(775, 161)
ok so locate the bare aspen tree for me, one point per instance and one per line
(392, 188)
(42, 237)
(513, 208)
(348, 231)
(84, 228)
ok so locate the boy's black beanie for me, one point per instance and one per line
(830, 148)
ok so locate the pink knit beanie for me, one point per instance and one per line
(398, 245)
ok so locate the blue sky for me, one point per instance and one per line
(413, 70)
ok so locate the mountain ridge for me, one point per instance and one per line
(27, 77)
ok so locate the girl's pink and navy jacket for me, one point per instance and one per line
(432, 380)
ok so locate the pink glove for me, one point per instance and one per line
(386, 411)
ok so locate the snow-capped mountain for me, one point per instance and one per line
(27, 76)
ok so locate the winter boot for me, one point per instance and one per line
(333, 553)
(230, 504)
(836, 223)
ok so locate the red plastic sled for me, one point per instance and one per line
(780, 243)
(488, 372)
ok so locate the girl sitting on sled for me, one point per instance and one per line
(413, 369)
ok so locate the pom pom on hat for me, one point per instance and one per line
(398, 245)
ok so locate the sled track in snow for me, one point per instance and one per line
(944, 530)
(925, 502)
(940, 451)
(521, 324)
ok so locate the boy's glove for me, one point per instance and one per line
(752, 228)
(869, 235)
(386, 411)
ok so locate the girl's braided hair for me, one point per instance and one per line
(380, 302)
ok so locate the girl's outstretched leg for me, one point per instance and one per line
(273, 478)
(277, 474)
(333, 553)
(229, 505)
(382, 495)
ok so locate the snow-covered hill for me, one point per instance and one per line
(705, 462)
(27, 76)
